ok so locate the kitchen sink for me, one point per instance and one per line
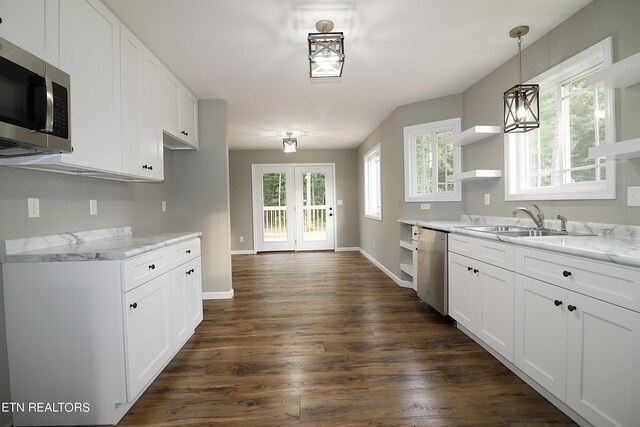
(520, 231)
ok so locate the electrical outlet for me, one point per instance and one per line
(425, 206)
(633, 196)
(241, 239)
(33, 207)
(487, 199)
(93, 207)
(339, 202)
(164, 206)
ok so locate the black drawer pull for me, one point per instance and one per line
(558, 303)
(191, 271)
(188, 251)
(152, 267)
(134, 305)
(572, 307)
(566, 273)
(469, 268)
(475, 270)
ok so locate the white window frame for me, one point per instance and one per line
(410, 176)
(514, 149)
(373, 184)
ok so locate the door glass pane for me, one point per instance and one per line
(314, 207)
(274, 215)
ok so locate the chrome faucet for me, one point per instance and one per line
(563, 223)
(538, 218)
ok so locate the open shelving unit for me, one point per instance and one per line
(475, 134)
(620, 75)
(629, 149)
(476, 175)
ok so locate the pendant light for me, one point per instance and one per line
(289, 144)
(326, 51)
(521, 102)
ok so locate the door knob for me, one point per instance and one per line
(134, 305)
(566, 273)
(572, 307)
(558, 303)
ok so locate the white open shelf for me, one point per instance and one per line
(406, 245)
(407, 268)
(475, 175)
(629, 149)
(475, 134)
(623, 73)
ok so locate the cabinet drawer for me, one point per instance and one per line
(145, 267)
(491, 252)
(184, 252)
(608, 282)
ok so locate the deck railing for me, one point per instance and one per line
(275, 222)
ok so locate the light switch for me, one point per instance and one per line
(339, 202)
(164, 206)
(487, 199)
(633, 196)
(93, 207)
(425, 206)
(33, 207)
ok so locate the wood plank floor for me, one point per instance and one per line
(326, 338)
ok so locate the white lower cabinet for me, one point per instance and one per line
(149, 343)
(585, 351)
(97, 332)
(481, 300)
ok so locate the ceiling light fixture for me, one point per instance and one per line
(326, 51)
(289, 144)
(521, 102)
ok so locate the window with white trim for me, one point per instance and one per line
(429, 161)
(551, 162)
(372, 184)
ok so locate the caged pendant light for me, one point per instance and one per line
(521, 102)
(326, 51)
(289, 144)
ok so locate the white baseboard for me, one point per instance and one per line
(386, 271)
(217, 295)
(348, 249)
(245, 252)
(406, 284)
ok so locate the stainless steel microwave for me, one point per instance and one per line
(34, 104)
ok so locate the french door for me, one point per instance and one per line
(293, 207)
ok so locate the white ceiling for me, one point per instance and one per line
(253, 53)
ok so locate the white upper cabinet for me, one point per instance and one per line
(140, 91)
(179, 114)
(90, 53)
(32, 25)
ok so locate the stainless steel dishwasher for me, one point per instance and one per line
(431, 271)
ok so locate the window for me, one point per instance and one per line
(372, 184)
(429, 160)
(551, 162)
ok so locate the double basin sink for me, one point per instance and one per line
(519, 231)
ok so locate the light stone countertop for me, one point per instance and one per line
(617, 244)
(94, 245)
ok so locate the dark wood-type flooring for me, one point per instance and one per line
(326, 338)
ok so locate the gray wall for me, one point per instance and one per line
(240, 162)
(386, 233)
(483, 106)
(201, 194)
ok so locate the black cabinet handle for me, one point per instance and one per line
(150, 168)
(566, 273)
(0, 20)
(330, 214)
(186, 133)
(134, 305)
(188, 272)
(188, 251)
(475, 270)
(558, 303)
(152, 267)
(469, 268)
(572, 307)
(192, 270)
(145, 167)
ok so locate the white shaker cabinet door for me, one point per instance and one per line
(541, 333)
(189, 115)
(32, 25)
(603, 369)
(149, 345)
(170, 102)
(90, 54)
(194, 291)
(463, 291)
(180, 306)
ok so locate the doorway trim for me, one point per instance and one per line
(255, 202)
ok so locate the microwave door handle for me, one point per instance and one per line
(49, 119)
